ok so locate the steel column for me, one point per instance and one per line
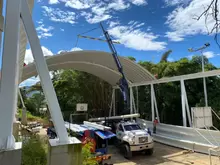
(152, 102)
(43, 73)
(9, 75)
(111, 105)
(183, 103)
(114, 101)
(137, 101)
(131, 102)
(134, 106)
(155, 104)
(187, 105)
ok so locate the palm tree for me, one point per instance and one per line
(165, 56)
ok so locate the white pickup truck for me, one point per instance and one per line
(131, 137)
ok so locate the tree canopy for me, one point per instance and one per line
(74, 87)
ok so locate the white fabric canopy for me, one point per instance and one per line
(100, 64)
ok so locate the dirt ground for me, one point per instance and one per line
(163, 155)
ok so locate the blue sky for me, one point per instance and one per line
(146, 28)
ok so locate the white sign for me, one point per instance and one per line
(81, 107)
(202, 117)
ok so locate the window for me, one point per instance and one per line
(131, 127)
(120, 128)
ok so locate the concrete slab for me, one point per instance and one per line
(163, 155)
(64, 153)
(11, 157)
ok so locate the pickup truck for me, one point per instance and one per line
(131, 137)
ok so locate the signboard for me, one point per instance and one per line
(81, 107)
(202, 117)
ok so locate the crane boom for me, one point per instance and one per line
(99, 39)
(123, 84)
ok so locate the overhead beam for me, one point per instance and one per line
(179, 78)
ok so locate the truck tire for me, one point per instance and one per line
(127, 152)
(149, 151)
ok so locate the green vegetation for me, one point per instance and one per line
(34, 152)
(87, 157)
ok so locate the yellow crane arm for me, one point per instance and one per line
(99, 39)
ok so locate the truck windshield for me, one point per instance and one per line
(131, 127)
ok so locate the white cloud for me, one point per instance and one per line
(95, 11)
(73, 49)
(118, 5)
(174, 36)
(53, 1)
(44, 32)
(209, 54)
(92, 19)
(176, 2)
(29, 56)
(112, 23)
(136, 39)
(139, 2)
(78, 4)
(62, 29)
(29, 59)
(182, 20)
(57, 15)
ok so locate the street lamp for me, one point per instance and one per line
(203, 68)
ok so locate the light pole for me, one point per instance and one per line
(203, 68)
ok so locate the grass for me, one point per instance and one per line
(32, 118)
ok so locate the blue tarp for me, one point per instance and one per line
(105, 134)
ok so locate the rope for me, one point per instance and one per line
(89, 31)
(77, 39)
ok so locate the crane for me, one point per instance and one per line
(123, 83)
(99, 39)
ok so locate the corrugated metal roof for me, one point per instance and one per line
(98, 63)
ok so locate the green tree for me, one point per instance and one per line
(165, 56)
(74, 87)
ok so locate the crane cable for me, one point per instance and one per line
(77, 39)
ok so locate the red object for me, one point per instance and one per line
(155, 121)
(87, 138)
(24, 64)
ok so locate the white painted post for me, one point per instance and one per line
(152, 102)
(183, 103)
(155, 104)
(43, 73)
(187, 105)
(24, 111)
(9, 76)
(137, 101)
(131, 102)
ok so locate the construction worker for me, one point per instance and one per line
(155, 124)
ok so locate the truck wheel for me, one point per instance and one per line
(149, 151)
(127, 151)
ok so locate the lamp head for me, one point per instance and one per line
(190, 49)
(207, 44)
